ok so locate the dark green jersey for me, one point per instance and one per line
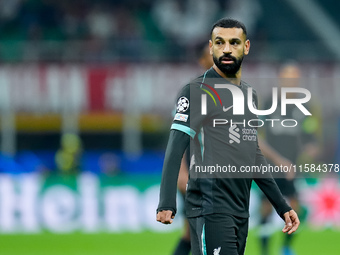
(223, 135)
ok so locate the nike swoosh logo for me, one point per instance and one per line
(227, 109)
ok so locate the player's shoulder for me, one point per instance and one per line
(247, 85)
(193, 84)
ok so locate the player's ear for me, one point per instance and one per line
(246, 47)
(210, 47)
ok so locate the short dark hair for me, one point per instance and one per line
(229, 23)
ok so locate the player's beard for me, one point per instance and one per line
(228, 69)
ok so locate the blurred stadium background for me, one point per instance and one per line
(87, 88)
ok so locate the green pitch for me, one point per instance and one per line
(308, 242)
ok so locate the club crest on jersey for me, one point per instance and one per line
(234, 134)
(182, 104)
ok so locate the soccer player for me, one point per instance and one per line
(282, 147)
(217, 208)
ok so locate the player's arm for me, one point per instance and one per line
(177, 144)
(269, 187)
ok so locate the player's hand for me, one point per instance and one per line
(165, 217)
(292, 222)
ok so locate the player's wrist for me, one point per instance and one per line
(166, 209)
(284, 211)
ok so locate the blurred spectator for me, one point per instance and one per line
(249, 11)
(101, 23)
(127, 24)
(73, 20)
(68, 157)
(9, 9)
(185, 22)
(282, 147)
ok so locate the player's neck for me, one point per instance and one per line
(233, 78)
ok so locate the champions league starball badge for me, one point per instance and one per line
(182, 104)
